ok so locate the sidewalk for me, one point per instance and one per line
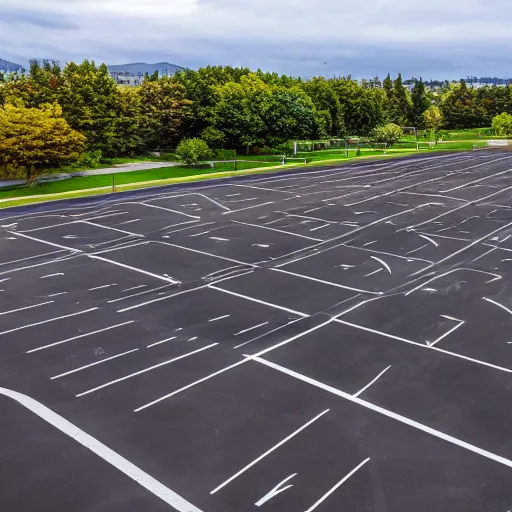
(135, 166)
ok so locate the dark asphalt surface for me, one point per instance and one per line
(318, 340)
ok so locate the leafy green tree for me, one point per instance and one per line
(502, 125)
(213, 137)
(433, 118)
(253, 113)
(460, 109)
(163, 110)
(420, 102)
(192, 151)
(36, 139)
(363, 109)
(200, 88)
(493, 101)
(128, 134)
(328, 105)
(91, 104)
(389, 133)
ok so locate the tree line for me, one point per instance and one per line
(226, 107)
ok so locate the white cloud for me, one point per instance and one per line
(294, 36)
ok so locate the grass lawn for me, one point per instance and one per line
(81, 186)
(105, 180)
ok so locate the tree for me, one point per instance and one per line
(420, 102)
(387, 85)
(362, 109)
(327, 104)
(91, 104)
(213, 137)
(433, 118)
(163, 110)
(36, 139)
(502, 125)
(389, 133)
(192, 151)
(128, 136)
(401, 105)
(153, 77)
(460, 109)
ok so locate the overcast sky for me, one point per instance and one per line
(435, 39)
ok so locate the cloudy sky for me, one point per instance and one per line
(443, 39)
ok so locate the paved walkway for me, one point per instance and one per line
(136, 166)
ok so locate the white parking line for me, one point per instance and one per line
(372, 382)
(112, 382)
(268, 452)
(230, 367)
(160, 342)
(339, 484)
(325, 282)
(381, 410)
(424, 346)
(251, 328)
(213, 287)
(249, 207)
(47, 321)
(79, 337)
(129, 233)
(58, 274)
(27, 307)
(140, 270)
(32, 257)
(134, 288)
(498, 304)
(17, 233)
(90, 443)
(278, 231)
(169, 210)
(218, 318)
(93, 364)
(101, 287)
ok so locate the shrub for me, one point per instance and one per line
(225, 154)
(192, 151)
(502, 125)
(213, 137)
(390, 133)
(89, 159)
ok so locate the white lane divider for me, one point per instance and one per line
(107, 454)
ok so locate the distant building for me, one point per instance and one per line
(127, 79)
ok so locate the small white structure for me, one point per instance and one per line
(497, 143)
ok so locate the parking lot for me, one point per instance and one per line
(327, 339)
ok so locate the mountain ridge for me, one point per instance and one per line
(7, 65)
(136, 68)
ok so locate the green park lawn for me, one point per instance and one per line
(83, 185)
(122, 178)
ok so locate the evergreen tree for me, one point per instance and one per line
(400, 103)
(387, 85)
(420, 102)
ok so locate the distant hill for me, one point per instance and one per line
(164, 68)
(6, 65)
